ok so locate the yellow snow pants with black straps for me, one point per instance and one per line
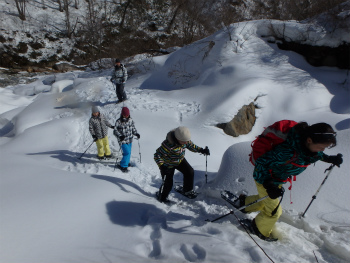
(264, 220)
(103, 147)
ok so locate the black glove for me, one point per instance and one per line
(205, 151)
(273, 190)
(137, 135)
(112, 127)
(334, 159)
(121, 138)
(123, 80)
(94, 138)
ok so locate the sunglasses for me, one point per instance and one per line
(326, 135)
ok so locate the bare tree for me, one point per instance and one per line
(43, 5)
(126, 5)
(60, 7)
(21, 7)
(69, 28)
(178, 5)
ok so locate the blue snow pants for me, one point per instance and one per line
(126, 148)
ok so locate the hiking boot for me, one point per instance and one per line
(123, 169)
(256, 231)
(100, 157)
(108, 156)
(238, 203)
(165, 201)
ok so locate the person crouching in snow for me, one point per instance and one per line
(98, 129)
(171, 155)
(124, 131)
(304, 145)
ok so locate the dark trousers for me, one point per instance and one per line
(119, 88)
(167, 174)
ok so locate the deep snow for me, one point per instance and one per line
(57, 208)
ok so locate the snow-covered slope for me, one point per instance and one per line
(57, 208)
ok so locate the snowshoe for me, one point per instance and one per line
(236, 201)
(190, 194)
(250, 226)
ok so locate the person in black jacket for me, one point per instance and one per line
(119, 77)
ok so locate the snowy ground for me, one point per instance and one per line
(57, 208)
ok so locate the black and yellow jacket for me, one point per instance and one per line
(171, 153)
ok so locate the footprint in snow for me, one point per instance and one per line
(194, 254)
(155, 236)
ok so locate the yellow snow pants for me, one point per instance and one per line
(264, 220)
(103, 147)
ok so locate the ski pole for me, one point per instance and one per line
(86, 150)
(241, 208)
(116, 161)
(206, 167)
(211, 221)
(329, 169)
(138, 141)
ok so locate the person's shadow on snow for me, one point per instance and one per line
(121, 183)
(74, 157)
(131, 214)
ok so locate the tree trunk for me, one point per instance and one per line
(60, 8)
(21, 7)
(66, 12)
(124, 13)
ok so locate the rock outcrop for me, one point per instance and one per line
(242, 123)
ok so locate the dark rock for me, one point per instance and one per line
(22, 47)
(319, 56)
(35, 54)
(37, 45)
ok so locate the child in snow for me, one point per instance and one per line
(119, 77)
(98, 129)
(124, 131)
(304, 145)
(171, 155)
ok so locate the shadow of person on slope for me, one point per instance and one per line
(73, 157)
(131, 214)
(121, 183)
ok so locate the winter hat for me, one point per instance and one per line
(95, 109)
(117, 60)
(125, 111)
(182, 134)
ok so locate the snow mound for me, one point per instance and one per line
(60, 86)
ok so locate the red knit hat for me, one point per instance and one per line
(125, 112)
